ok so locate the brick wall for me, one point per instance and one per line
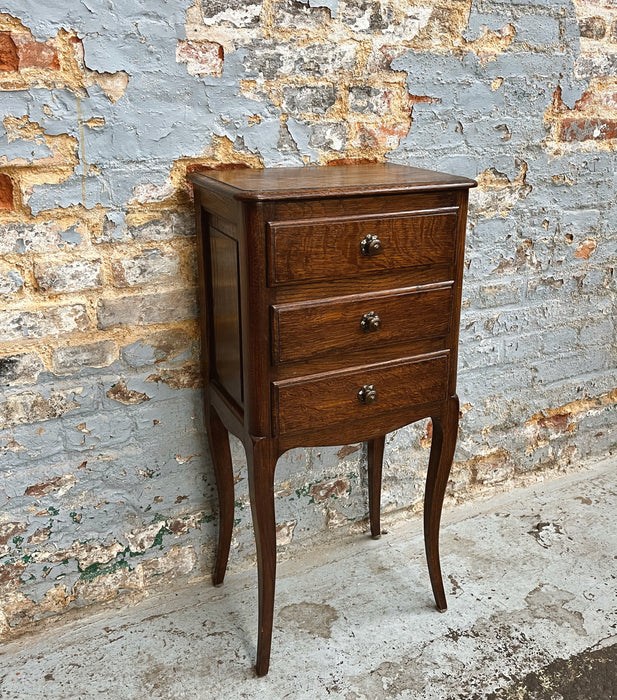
(105, 478)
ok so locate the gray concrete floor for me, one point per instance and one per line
(532, 583)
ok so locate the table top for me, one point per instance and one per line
(331, 181)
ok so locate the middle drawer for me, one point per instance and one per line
(303, 330)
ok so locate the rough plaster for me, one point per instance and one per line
(106, 480)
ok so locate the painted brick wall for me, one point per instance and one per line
(105, 477)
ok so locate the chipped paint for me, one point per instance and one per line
(107, 486)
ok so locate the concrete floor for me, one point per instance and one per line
(532, 585)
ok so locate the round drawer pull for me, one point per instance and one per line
(370, 322)
(367, 395)
(370, 245)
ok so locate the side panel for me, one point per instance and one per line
(226, 367)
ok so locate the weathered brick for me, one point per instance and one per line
(201, 57)
(297, 15)
(129, 397)
(238, 13)
(36, 238)
(20, 369)
(168, 225)
(592, 27)
(73, 276)
(73, 358)
(369, 100)
(165, 307)
(9, 60)
(328, 136)
(585, 129)
(35, 54)
(363, 16)
(316, 99)
(38, 324)
(161, 346)
(600, 65)
(268, 60)
(6, 192)
(31, 407)
(149, 267)
(10, 282)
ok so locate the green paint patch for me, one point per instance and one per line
(17, 540)
(158, 540)
(237, 521)
(52, 511)
(95, 570)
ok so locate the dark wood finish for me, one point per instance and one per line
(304, 330)
(326, 248)
(227, 344)
(445, 427)
(298, 183)
(330, 312)
(218, 437)
(332, 397)
(375, 448)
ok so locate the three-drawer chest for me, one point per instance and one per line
(330, 304)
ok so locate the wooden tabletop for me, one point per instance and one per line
(332, 181)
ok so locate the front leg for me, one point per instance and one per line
(261, 459)
(375, 463)
(445, 428)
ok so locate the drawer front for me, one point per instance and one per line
(336, 248)
(359, 322)
(336, 397)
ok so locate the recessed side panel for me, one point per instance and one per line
(226, 322)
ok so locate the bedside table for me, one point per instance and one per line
(330, 304)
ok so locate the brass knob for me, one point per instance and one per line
(367, 395)
(370, 245)
(370, 322)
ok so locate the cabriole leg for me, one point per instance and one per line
(261, 460)
(375, 463)
(223, 471)
(445, 430)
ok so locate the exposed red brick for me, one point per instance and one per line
(35, 54)
(582, 129)
(45, 487)
(347, 450)
(10, 530)
(592, 27)
(585, 249)
(201, 57)
(352, 161)
(9, 60)
(330, 489)
(557, 423)
(6, 193)
(201, 168)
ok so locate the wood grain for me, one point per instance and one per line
(332, 397)
(331, 326)
(325, 248)
(307, 182)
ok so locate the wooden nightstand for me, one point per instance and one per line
(330, 314)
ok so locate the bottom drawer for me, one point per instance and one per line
(361, 392)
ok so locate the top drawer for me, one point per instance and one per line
(300, 251)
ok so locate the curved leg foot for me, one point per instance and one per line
(375, 463)
(442, 453)
(223, 471)
(261, 461)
